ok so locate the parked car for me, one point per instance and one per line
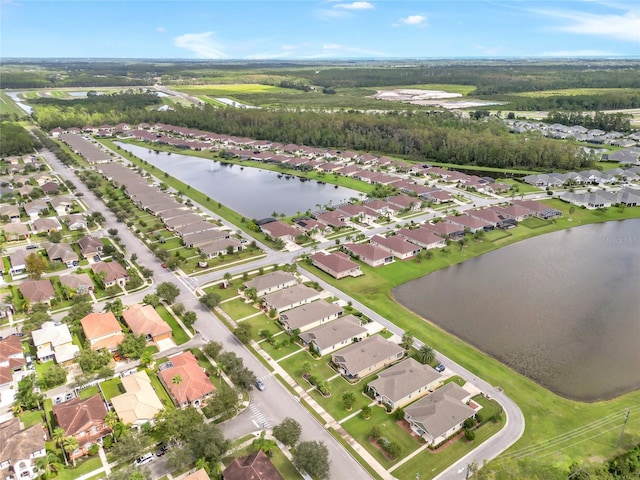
(440, 368)
(260, 385)
(161, 450)
(143, 460)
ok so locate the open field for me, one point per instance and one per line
(576, 91)
(228, 89)
(8, 106)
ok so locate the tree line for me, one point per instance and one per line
(16, 140)
(602, 121)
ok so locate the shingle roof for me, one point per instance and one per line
(334, 332)
(143, 319)
(256, 466)
(300, 317)
(370, 351)
(75, 415)
(195, 383)
(403, 378)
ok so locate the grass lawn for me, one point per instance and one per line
(575, 91)
(534, 222)
(160, 390)
(283, 347)
(522, 187)
(319, 367)
(112, 388)
(547, 415)
(360, 429)
(237, 309)
(88, 392)
(82, 468)
(338, 387)
(179, 335)
(489, 407)
(261, 322)
(43, 368)
(33, 417)
(284, 466)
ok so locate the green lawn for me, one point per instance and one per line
(88, 392)
(284, 466)
(43, 368)
(237, 309)
(261, 322)
(360, 429)
(179, 335)
(338, 387)
(112, 388)
(319, 367)
(160, 390)
(83, 467)
(489, 407)
(282, 348)
(33, 417)
(522, 187)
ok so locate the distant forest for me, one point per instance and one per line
(436, 136)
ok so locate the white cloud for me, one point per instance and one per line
(161, 29)
(419, 20)
(579, 53)
(331, 46)
(619, 26)
(354, 6)
(202, 44)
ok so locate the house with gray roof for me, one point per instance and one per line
(78, 282)
(441, 414)
(271, 282)
(370, 254)
(366, 357)
(46, 225)
(539, 209)
(290, 297)
(19, 449)
(310, 315)
(404, 383)
(197, 227)
(62, 252)
(195, 240)
(221, 246)
(16, 231)
(90, 246)
(332, 336)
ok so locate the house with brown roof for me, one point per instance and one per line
(200, 474)
(90, 246)
(280, 230)
(16, 231)
(144, 320)
(398, 246)
(256, 466)
(540, 209)
(309, 315)
(370, 254)
(271, 282)
(102, 330)
(79, 283)
(11, 359)
(54, 341)
(445, 229)
(469, 223)
(333, 218)
(111, 273)
(404, 383)
(140, 403)
(366, 357)
(336, 264)
(441, 414)
(289, 298)
(46, 225)
(310, 226)
(19, 449)
(75, 221)
(329, 337)
(62, 252)
(422, 237)
(83, 420)
(186, 381)
(37, 291)
(61, 204)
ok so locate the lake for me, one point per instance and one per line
(562, 308)
(252, 192)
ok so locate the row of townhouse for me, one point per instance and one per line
(586, 177)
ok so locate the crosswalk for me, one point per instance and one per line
(262, 421)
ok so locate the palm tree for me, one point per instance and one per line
(70, 444)
(47, 464)
(110, 420)
(58, 435)
(177, 381)
(425, 354)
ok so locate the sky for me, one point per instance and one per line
(316, 30)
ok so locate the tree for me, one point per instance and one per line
(111, 420)
(178, 309)
(227, 279)
(407, 340)
(313, 458)
(92, 361)
(177, 381)
(55, 237)
(35, 266)
(113, 232)
(425, 354)
(366, 412)
(130, 445)
(243, 334)
(571, 212)
(58, 436)
(54, 376)
(146, 358)
(207, 441)
(132, 346)
(26, 397)
(288, 432)
(348, 399)
(114, 307)
(176, 426)
(212, 349)
(189, 318)
(224, 402)
(243, 378)
(251, 294)
(129, 472)
(151, 299)
(47, 464)
(168, 292)
(70, 444)
(210, 300)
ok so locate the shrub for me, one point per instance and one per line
(469, 434)
(93, 449)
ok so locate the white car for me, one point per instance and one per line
(143, 460)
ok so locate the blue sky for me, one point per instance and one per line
(328, 29)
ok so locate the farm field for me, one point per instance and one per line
(576, 91)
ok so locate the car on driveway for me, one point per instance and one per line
(162, 449)
(440, 368)
(143, 460)
(260, 385)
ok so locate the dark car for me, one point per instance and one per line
(161, 450)
(440, 368)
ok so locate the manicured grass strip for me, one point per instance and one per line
(179, 335)
(286, 385)
(89, 392)
(284, 466)
(112, 388)
(259, 323)
(489, 407)
(312, 411)
(334, 404)
(283, 347)
(354, 454)
(83, 468)
(237, 309)
(160, 390)
(260, 358)
(30, 418)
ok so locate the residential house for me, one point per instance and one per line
(398, 246)
(540, 209)
(186, 381)
(289, 298)
(366, 357)
(75, 221)
(422, 237)
(61, 204)
(50, 188)
(339, 333)
(144, 320)
(83, 420)
(11, 359)
(200, 474)
(198, 227)
(53, 341)
(445, 229)
(46, 225)
(90, 246)
(310, 315)
(35, 208)
(182, 220)
(336, 264)
(16, 231)
(280, 230)
(405, 202)
(18, 262)
(310, 226)
(333, 218)
(359, 213)
(140, 403)
(221, 247)
(111, 273)
(102, 330)
(12, 212)
(62, 252)
(19, 449)
(370, 254)
(403, 383)
(441, 414)
(80, 283)
(256, 466)
(469, 223)
(271, 282)
(200, 239)
(37, 291)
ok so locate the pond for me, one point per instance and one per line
(562, 308)
(252, 192)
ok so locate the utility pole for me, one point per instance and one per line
(626, 418)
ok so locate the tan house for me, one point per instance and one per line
(144, 320)
(337, 264)
(403, 383)
(78, 282)
(370, 254)
(271, 282)
(83, 420)
(186, 381)
(140, 403)
(111, 273)
(398, 246)
(289, 298)
(19, 449)
(54, 341)
(332, 336)
(90, 246)
(441, 414)
(310, 315)
(62, 252)
(102, 330)
(366, 357)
